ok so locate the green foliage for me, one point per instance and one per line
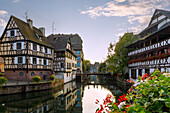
(52, 77)
(36, 79)
(3, 80)
(152, 95)
(86, 65)
(117, 58)
(102, 67)
(1, 74)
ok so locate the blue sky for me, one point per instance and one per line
(98, 22)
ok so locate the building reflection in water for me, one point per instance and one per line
(66, 99)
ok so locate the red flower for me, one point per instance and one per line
(127, 106)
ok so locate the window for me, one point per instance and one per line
(18, 45)
(34, 61)
(78, 64)
(78, 52)
(41, 74)
(34, 46)
(21, 74)
(11, 46)
(45, 50)
(20, 60)
(78, 58)
(45, 62)
(32, 74)
(12, 33)
(62, 65)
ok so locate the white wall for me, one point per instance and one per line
(67, 78)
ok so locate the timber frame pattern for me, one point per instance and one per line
(152, 51)
(21, 51)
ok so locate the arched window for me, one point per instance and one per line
(41, 74)
(32, 73)
(21, 74)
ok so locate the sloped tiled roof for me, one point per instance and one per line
(30, 33)
(76, 41)
(166, 13)
(59, 43)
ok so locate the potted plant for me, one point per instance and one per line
(3, 80)
(52, 78)
(36, 79)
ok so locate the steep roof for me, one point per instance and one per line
(164, 12)
(150, 26)
(30, 33)
(76, 40)
(59, 43)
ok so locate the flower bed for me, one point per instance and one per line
(149, 94)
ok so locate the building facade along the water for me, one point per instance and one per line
(25, 51)
(64, 63)
(151, 49)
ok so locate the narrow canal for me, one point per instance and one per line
(71, 98)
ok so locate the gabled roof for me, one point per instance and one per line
(59, 43)
(29, 33)
(76, 40)
(163, 12)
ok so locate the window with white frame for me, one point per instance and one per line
(34, 46)
(12, 33)
(20, 60)
(19, 46)
(34, 60)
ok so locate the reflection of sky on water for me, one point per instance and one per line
(92, 93)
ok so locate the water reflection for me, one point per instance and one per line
(71, 98)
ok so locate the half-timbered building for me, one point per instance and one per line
(77, 45)
(64, 63)
(151, 49)
(25, 51)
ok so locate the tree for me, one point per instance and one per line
(102, 67)
(86, 65)
(117, 58)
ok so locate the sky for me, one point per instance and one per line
(98, 22)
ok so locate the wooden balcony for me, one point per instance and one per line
(165, 61)
(151, 47)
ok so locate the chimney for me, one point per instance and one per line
(42, 29)
(30, 23)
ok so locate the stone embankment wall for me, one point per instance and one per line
(11, 89)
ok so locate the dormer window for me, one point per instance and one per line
(40, 38)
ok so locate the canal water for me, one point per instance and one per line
(71, 98)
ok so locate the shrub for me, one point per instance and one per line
(36, 79)
(52, 77)
(1, 74)
(3, 80)
(148, 95)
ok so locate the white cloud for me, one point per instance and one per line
(120, 0)
(2, 23)
(135, 10)
(3, 13)
(15, 1)
(119, 34)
